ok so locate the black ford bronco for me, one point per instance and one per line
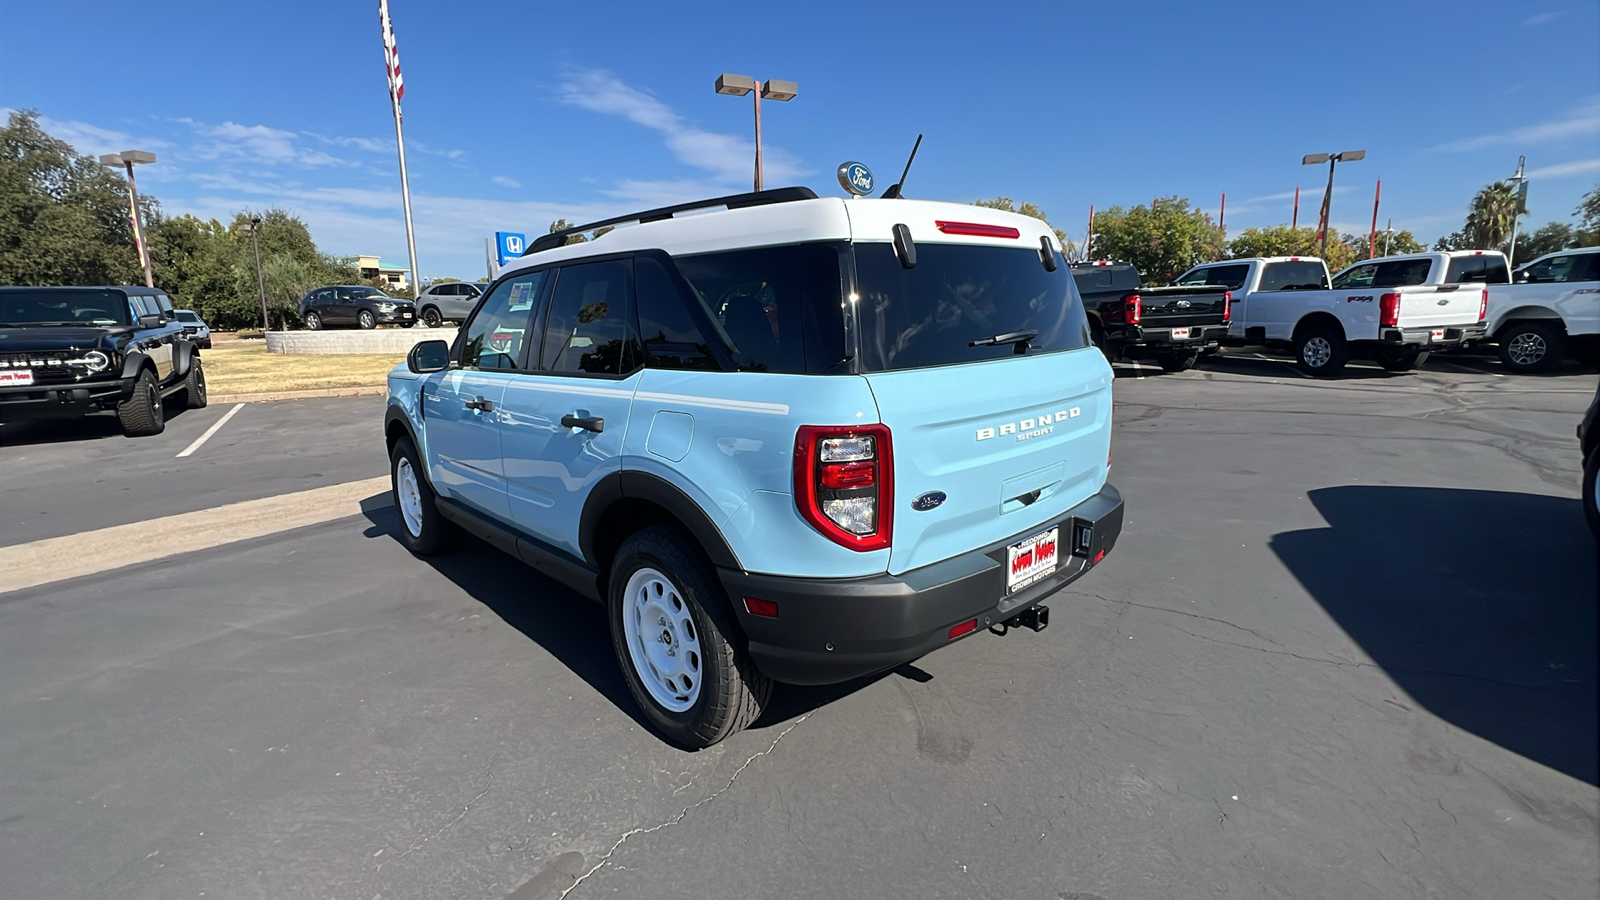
(70, 351)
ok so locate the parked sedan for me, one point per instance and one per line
(355, 304)
(194, 328)
(452, 301)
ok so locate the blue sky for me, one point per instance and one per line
(519, 113)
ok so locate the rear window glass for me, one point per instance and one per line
(1230, 277)
(1095, 279)
(1293, 276)
(21, 308)
(672, 340)
(780, 307)
(186, 316)
(960, 293)
(1470, 269)
(1397, 273)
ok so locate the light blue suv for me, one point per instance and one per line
(781, 439)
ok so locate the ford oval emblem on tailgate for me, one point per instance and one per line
(928, 501)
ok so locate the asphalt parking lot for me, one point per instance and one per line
(1346, 647)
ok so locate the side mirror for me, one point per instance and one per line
(152, 321)
(428, 356)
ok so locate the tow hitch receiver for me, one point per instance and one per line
(1034, 617)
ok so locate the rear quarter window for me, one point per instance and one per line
(780, 308)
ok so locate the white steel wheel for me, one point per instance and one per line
(409, 495)
(663, 643)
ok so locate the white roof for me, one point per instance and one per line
(797, 221)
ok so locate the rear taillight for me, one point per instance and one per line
(1133, 306)
(1389, 310)
(1483, 306)
(1227, 305)
(844, 483)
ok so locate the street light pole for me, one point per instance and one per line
(251, 229)
(739, 85)
(1312, 159)
(1520, 189)
(128, 159)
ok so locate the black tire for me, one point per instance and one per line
(313, 321)
(423, 529)
(1181, 361)
(194, 386)
(730, 692)
(1321, 351)
(431, 317)
(366, 320)
(1401, 360)
(1528, 347)
(143, 414)
(1591, 483)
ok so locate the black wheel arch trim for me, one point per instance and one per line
(635, 485)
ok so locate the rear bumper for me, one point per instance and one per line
(61, 401)
(1447, 336)
(832, 630)
(1163, 339)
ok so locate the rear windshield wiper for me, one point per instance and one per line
(1018, 338)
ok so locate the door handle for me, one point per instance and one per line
(588, 423)
(479, 403)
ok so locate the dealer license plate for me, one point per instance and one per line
(1031, 560)
(1180, 334)
(406, 315)
(16, 377)
(1438, 334)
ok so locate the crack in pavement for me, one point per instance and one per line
(680, 816)
(1178, 612)
(417, 845)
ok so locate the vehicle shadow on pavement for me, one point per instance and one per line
(572, 628)
(84, 428)
(1481, 605)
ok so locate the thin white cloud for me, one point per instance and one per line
(256, 144)
(1575, 167)
(371, 145)
(729, 157)
(1540, 19)
(92, 139)
(1581, 122)
(503, 181)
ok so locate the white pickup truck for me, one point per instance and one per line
(1552, 307)
(1394, 309)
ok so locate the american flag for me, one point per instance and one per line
(391, 54)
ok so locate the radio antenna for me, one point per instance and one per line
(894, 189)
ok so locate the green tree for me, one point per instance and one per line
(1588, 215)
(200, 264)
(1028, 209)
(1162, 240)
(1277, 240)
(1489, 217)
(1549, 238)
(1400, 242)
(63, 216)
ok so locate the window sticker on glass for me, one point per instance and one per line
(521, 296)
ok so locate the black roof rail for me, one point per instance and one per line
(732, 201)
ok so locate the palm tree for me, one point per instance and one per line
(1490, 216)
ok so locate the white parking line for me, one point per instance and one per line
(210, 431)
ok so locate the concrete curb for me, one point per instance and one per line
(376, 390)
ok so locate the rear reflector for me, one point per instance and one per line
(1097, 557)
(963, 629)
(764, 608)
(977, 230)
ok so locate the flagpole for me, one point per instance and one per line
(405, 197)
(391, 63)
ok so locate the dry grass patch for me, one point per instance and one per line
(245, 367)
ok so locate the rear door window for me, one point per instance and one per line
(587, 331)
(1293, 276)
(957, 294)
(780, 307)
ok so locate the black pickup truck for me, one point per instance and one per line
(70, 351)
(1130, 321)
